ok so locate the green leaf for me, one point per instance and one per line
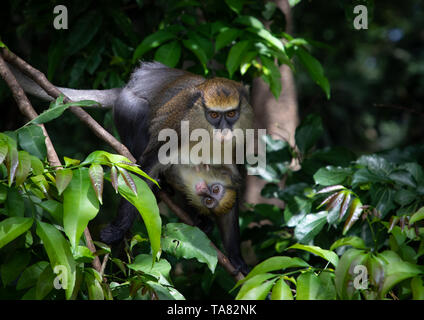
(274, 264)
(146, 204)
(169, 54)
(256, 288)
(235, 56)
(226, 37)
(354, 214)
(345, 272)
(32, 139)
(95, 290)
(3, 150)
(14, 266)
(59, 254)
(308, 132)
(266, 35)
(198, 51)
(314, 68)
(417, 216)
(272, 76)
(143, 263)
(189, 242)
(12, 162)
(330, 175)
(152, 41)
(45, 283)
(55, 209)
(235, 5)
(281, 291)
(63, 178)
(96, 177)
(36, 165)
(250, 22)
(308, 286)
(31, 274)
(13, 227)
(417, 288)
(85, 28)
(396, 270)
(353, 241)
(310, 226)
(15, 206)
(80, 205)
(326, 254)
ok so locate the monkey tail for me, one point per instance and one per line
(106, 98)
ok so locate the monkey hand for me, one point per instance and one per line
(112, 234)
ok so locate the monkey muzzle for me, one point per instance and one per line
(201, 188)
(223, 135)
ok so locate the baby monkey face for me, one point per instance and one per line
(210, 194)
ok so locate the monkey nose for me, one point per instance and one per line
(224, 135)
(201, 188)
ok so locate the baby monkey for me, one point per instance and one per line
(211, 192)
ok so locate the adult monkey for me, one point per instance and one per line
(158, 97)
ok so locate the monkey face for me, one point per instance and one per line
(210, 195)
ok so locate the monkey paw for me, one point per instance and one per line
(111, 234)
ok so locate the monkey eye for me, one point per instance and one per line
(216, 189)
(214, 115)
(209, 202)
(231, 114)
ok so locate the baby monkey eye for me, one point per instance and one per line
(231, 114)
(208, 201)
(214, 115)
(215, 189)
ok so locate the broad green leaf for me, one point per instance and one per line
(143, 263)
(31, 274)
(3, 150)
(235, 5)
(310, 226)
(326, 254)
(330, 175)
(32, 139)
(80, 205)
(250, 22)
(95, 290)
(272, 76)
(226, 37)
(235, 56)
(314, 68)
(266, 35)
(278, 263)
(417, 287)
(36, 166)
(63, 178)
(3, 193)
(69, 162)
(396, 270)
(14, 266)
(308, 286)
(83, 254)
(281, 291)
(15, 206)
(198, 51)
(55, 209)
(169, 54)
(96, 177)
(353, 241)
(86, 27)
(152, 41)
(417, 216)
(327, 288)
(146, 204)
(128, 180)
(12, 162)
(13, 227)
(331, 189)
(60, 255)
(256, 287)
(308, 132)
(165, 292)
(345, 272)
(189, 242)
(45, 283)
